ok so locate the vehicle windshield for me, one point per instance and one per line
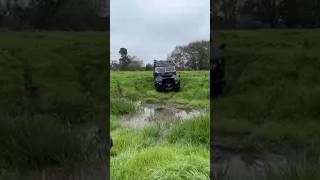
(165, 69)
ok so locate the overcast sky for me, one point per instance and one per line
(150, 29)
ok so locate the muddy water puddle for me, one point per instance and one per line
(242, 166)
(231, 164)
(152, 112)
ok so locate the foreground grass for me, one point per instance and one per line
(172, 150)
(162, 162)
(182, 153)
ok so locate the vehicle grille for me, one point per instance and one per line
(168, 81)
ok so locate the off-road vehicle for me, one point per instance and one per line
(165, 76)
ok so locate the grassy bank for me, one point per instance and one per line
(195, 88)
(272, 93)
(174, 150)
(51, 87)
(272, 97)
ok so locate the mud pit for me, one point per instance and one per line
(245, 166)
(231, 163)
(150, 112)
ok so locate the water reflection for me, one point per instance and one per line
(151, 112)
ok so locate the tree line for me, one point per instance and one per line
(54, 15)
(126, 62)
(232, 14)
(193, 56)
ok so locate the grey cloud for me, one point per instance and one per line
(150, 29)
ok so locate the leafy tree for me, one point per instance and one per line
(135, 64)
(194, 56)
(270, 12)
(124, 59)
(149, 67)
(114, 65)
(53, 14)
(290, 11)
(129, 63)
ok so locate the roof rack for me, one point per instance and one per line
(163, 63)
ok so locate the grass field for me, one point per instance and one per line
(174, 150)
(273, 86)
(52, 85)
(139, 86)
(272, 97)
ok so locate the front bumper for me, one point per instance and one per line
(167, 86)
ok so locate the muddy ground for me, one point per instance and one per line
(237, 165)
(149, 113)
(231, 162)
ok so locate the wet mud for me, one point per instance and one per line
(151, 112)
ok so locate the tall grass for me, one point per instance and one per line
(52, 85)
(121, 106)
(162, 162)
(193, 131)
(163, 149)
(36, 143)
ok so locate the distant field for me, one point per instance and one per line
(165, 148)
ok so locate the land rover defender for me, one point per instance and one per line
(165, 76)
